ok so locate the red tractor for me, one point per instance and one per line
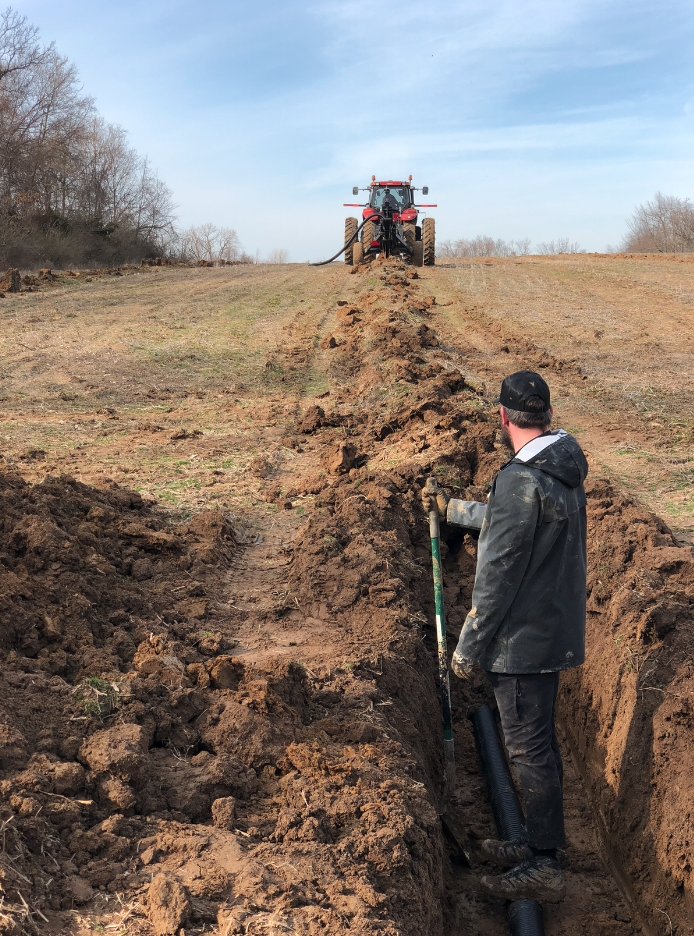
(389, 225)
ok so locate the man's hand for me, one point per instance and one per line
(462, 668)
(434, 498)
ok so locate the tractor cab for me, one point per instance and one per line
(393, 199)
(393, 195)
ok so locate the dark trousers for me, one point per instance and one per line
(527, 704)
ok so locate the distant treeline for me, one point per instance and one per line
(664, 225)
(485, 246)
(71, 189)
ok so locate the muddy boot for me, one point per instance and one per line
(540, 879)
(505, 854)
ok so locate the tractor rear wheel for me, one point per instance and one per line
(350, 230)
(418, 253)
(357, 253)
(409, 234)
(429, 241)
(368, 234)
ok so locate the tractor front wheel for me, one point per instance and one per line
(350, 232)
(357, 254)
(429, 241)
(418, 254)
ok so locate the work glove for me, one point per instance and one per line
(462, 668)
(434, 497)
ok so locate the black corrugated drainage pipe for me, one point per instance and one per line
(524, 916)
(349, 243)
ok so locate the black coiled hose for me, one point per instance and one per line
(348, 244)
(524, 916)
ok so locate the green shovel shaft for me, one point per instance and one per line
(444, 681)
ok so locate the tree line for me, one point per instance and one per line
(71, 188)
(485, 246)
(663, 225)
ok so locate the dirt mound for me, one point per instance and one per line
(629, 710)
(10, 282)
(89, 580)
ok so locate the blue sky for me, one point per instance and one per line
(532, 118)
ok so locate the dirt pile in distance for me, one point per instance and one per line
(10, 282)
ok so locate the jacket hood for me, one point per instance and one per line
(557, 454)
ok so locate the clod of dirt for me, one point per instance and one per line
(224, 812)
(329, 342)
(11, 282)
(428, 337)
(118, 750)
(65, 779)
(348, 316)
(33, 454)
(164, 668)
(343, 459)
(168, 905)
(216, 534)
(226, 673)
(117, 793)
(185, 434)
(80, 890)
(313, 419)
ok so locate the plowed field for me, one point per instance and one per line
(218, 701)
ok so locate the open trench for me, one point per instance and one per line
(264, 754)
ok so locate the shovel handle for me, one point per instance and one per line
(444, 680)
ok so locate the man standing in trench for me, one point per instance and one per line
(527, 621)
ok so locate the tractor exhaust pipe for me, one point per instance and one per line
(524, 916)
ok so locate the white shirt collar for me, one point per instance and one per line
(535, 446)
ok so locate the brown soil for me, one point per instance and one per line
(219, 709)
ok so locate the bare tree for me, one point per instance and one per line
(664, 225)
(154, 207)
(210, 243)
(19, 44)
(279, 255)
(562, 245)
(484, 246)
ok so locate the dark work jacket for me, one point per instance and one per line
(529, 600)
